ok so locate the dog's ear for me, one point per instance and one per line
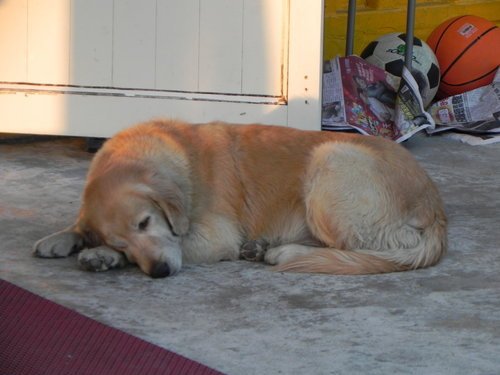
(175, 211)
(172, 194)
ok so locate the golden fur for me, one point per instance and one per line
(166, 192)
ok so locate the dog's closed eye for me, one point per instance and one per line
(144, 223)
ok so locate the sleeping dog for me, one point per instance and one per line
(164, 193)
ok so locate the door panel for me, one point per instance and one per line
(48, 41)
(221, 46)
(13, 36)
(91, 47)
(264, 47)
(134, 43)
(177, 45)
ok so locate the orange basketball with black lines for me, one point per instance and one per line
(468, 51)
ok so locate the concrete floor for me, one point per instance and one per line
(242, 319)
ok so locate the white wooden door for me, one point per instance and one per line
(93, 67)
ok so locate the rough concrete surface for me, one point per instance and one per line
(242, 318)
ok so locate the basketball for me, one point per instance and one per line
(468, 51)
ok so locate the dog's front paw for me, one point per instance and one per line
(254, 250)
(58, 245)
(101, 259)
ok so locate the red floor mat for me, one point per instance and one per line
(39, 337)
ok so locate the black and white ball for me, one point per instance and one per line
(388, 53)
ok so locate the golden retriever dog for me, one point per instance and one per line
(164, 193)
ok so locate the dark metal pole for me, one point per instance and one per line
(351, 16)
(410, 25)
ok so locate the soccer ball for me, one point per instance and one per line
(388, 53)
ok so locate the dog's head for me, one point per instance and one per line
(140, 213)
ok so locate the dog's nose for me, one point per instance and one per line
(160, 270)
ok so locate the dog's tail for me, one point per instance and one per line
(427, 252)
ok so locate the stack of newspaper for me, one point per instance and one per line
(359, 95)
(475, 114)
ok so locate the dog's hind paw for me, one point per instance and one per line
(101, 259)
(254, 250)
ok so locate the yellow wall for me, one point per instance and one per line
(377, 17)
